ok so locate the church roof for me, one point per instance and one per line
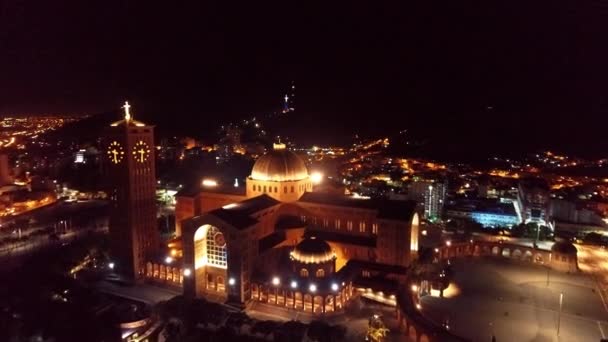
(387, 209)
(359, 240)
(240, 214)
(279, 165)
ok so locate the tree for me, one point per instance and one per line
(376, 330)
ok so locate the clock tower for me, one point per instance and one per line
(131, 178)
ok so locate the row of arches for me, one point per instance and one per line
(164, 273)
(297, 300)
(516, 252)
(407, 327)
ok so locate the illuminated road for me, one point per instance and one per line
(593, 261)
(515, 302)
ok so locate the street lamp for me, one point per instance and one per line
(168, 260)
(313, 288)
(414, 288)
(334, 287)
(276, 281)
(111, 265)
(187, 272)
(294, 284)
(231, 281)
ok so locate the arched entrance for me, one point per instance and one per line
(210, 261)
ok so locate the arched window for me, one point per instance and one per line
(292, 189)
(275, 190)
(264, 188)
(320, 273)
(303, 272)
(216, 248)
(285, 190)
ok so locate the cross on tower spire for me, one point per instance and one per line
(127, 106)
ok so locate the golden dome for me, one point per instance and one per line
(279, 165)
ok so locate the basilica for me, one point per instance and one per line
(279, 241)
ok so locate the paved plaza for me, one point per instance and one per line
(519, 302)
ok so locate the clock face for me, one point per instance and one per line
(141, 152)
(115, 152)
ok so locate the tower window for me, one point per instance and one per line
(361, 227)
(349, 226)
(337, 223)
(264, 188)
(275, 190)
(303, 272)
(374, 228)
(320, 273)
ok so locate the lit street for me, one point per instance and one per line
(513, 301)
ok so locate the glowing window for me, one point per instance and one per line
(374, 228)
(337, 223)
(303, 272)
(361, 227)
(349, 226)
(216, 248)
(320, 273)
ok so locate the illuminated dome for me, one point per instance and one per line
(279, 165)
(313, 251)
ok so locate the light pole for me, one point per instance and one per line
(559, 314)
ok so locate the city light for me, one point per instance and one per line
(448, 243)
(334, 287)
(276, 281)
(418, 306)
(187, 272)
(209, 182)
(414, 288)
(111, 265)
(294, 284)
(231, 281)
(312, 288)
(168, 260)
(316, 177)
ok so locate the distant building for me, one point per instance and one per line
(5, 171)
(434, 198)
(490, 213)
(533, 200)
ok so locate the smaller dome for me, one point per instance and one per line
(563, 247)
(313, 251)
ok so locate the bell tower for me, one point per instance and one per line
(131, 178)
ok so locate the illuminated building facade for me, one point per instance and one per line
(434, 199)
(533, 201)
(129, 166)
(278, 235)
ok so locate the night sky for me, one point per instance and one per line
(475, 76)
